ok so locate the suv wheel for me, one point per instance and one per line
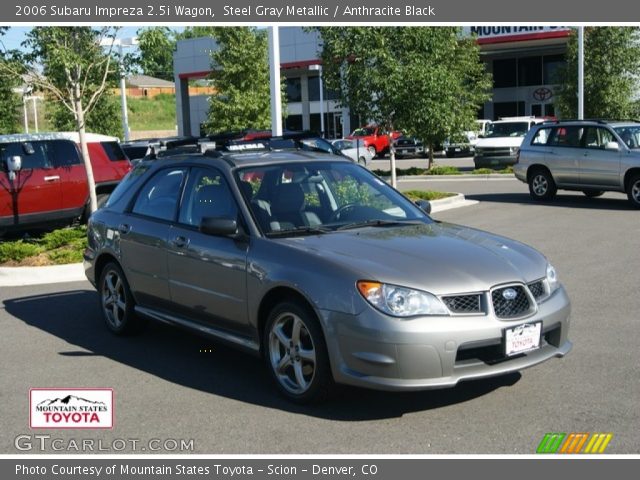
(633, 191)
(593, 193)
(116, 301)
(296, 354)
(372, 151)
(542, 186)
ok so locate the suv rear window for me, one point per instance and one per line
(113, 151)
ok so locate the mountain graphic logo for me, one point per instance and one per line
(69, 400)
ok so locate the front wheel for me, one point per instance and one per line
(633, 191)
(296, 354)
(362, 161)
(542, 185)
(372, 151)
(116, 302)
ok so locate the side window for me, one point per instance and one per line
(541, 136)
(566, 137)
(63, 153)
(159, 197)
(207, 195)
(114, 151)
(34, 155)
(598, 137)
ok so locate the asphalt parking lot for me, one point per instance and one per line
(165, 387)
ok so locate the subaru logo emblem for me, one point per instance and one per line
(509, 294)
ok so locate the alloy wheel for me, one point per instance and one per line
(114, 299)
(540, 185)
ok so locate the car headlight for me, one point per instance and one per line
(400, 301)
(513, 150)
(552, 279)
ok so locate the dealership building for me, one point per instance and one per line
(523, 60)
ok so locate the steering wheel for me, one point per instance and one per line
(335, 216)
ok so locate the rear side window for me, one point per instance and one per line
(63, 153)
(159, 197)
(541, 136)
(125, 185)
(569, 136)
(114, 151)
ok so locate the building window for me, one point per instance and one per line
(507, 109)
(294, 90)
(529, 71)
(293, 122)
(504, 73)
(552, 67)
(314, 91)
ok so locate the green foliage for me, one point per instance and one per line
(427, 81)
(152, 113)
(103, 118)
(17, 251)
(350, 191)
(443, 170)
(9, 101)
(57, 247)
(64, 236)
(155, 47)
(488, 171)
(240, 75)
(611, 70)
(414, 195)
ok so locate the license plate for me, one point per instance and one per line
(522, 338)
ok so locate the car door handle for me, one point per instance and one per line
(52, 178)
(180, 242)
(124, 228)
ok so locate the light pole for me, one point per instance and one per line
(318, 68)
(580, 73)
(121, 43)
(274, 77)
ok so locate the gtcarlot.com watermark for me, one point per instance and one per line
(48, 443)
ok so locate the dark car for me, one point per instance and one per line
(409, 147)
(317, 265)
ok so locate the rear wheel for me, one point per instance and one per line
(296, 353)
(593, 193)
(116, 301)
(633, 191)
(372, 151)
(450, 153)
(541, 185)
(362, 161)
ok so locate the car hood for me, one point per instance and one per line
(493, 142)
(440, 258)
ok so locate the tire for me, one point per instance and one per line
(362, 161)
(542, 185)
(86, 213)
(450, 154)
(593, 193)
(372, 151)
(633, 191)
(304, 378)
(117, 303)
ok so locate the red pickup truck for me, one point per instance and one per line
(375, 138)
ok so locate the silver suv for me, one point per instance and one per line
(592, 156)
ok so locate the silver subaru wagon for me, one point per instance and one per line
(324, 270)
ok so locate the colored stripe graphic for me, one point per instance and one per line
(551, 442)
(598, 443)
(574, 442)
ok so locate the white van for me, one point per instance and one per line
(499, 147)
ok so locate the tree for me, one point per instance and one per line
(103, 118)
(240, 77)
(70, 65)
(9, 101)
(427, 81)
(611, 71)
(155, 57)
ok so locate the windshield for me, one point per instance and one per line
(320, 197)
(363, 132)
(630, 135)
(508, 129)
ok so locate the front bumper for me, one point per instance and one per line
(377, 351)
(491, 161)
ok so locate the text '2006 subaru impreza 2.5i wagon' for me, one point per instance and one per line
(324, 270)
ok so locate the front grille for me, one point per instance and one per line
(463, 303)
(537, 289)
(493, 151)
(517, 307)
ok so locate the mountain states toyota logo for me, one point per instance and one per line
(71, 408)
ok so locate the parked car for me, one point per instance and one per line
(500, 146)
(409, 147)
(375, 138)
(354, 149)
(468, 140)
(592, 156)
(328, 273)
(48, 184)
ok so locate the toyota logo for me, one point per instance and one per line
(509, 294)
(541, 94)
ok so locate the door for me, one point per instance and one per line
(65, 156)
(35, 195)
(337, 125)
(208, 273)
(143, 236)
(600, 162)
(564, 153)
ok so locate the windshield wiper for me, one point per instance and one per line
(379, 223)
(304, 230)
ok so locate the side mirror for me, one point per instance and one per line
(219, 227)
(424, 205)
(612, 146)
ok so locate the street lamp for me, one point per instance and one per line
(121, 43)
(318, 68)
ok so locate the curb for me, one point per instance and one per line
(74, 272)
(24, 276)
(466, 176)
